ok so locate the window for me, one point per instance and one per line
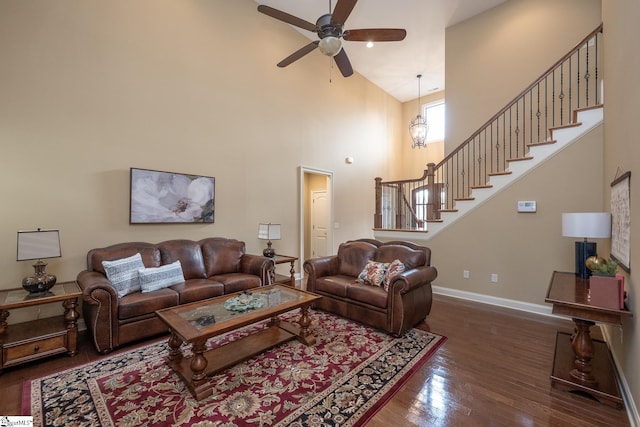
(434, 115)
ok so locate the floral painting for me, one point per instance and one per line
(166, 197)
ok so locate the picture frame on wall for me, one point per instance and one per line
(158, 197)
(621, 220)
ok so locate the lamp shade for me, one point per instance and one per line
(269, 231)
(39, 244)
(596, 225)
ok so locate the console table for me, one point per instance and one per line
(581, 363)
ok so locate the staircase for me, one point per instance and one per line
(561, 137)
(550, 114)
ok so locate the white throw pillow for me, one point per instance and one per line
(152, 279)
(123, 274)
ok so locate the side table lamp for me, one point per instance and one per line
(586, 225)
(38, 244)
(269, 232)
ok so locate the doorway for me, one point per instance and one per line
(316, 214)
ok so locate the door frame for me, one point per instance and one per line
(302, 199)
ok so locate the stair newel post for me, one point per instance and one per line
(433, 195)
(377, 216)
(400, 207)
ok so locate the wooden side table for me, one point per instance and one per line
(289, 280)
(28, 341)
(580, 363)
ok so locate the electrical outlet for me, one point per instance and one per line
(465, 274)
(494, 278)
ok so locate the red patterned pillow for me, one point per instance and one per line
(373, 273)
(396, 267)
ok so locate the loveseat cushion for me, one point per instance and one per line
(222, 256)
(198, 289)
(139, 304)
(411, 258)
(236, 282)
(371, 295)
(334, 285)
(188, 253)
(353, 257)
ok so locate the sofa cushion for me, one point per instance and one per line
(236, 282)
(198, 289)
(123, 274)
(221, 255)
(411, 258)
(149, 253)
(154, 278)
(373, 273)
(140, 304)
(396, 267)
(188, 253)
(353, 257)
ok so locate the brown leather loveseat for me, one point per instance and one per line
(405, 302)
(210, 267)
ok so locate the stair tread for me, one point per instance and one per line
(477, 187)
(499, 173)
(460, 199)
(448, 210)
(520, 159)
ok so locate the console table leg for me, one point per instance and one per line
(583, 349)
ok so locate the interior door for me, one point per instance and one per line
(319, 223)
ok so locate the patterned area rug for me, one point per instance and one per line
(342, 380)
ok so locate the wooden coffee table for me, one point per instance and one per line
(195, 323)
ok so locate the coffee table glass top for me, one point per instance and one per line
(217, 310)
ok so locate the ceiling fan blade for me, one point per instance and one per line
(375, 35)
(285, 17)
(342, 11)
(298, 54)
(343, 63)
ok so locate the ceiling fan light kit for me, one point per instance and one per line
(330, 31)
(418, 128)
(330, 46)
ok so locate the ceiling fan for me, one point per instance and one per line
(330, 29)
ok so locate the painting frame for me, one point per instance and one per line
(159, 197)
(621, 220)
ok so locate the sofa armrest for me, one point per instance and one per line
(100, 309)
(410, 279)
(258, 265)
(320, 267)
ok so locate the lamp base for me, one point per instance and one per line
(584, 250)
(269, 251)
(41, 281)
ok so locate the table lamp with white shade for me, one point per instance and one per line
(586, 225)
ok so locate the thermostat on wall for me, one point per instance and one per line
(526, 206)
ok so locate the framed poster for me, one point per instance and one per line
(621, 220)
(168, 197)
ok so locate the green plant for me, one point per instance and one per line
(607, 268)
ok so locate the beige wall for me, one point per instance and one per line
(90, 89)
(492, 57)
(622, 153)
(523, 248)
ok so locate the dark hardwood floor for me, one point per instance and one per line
(492, 371)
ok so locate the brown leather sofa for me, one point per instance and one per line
(211, 267)
(407, 301)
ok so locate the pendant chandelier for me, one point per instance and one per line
(418, 127)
